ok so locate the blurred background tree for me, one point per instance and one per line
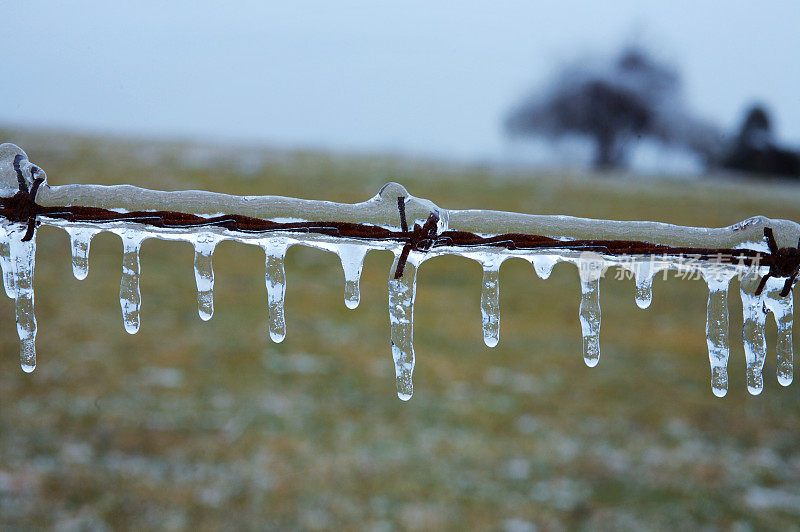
(756, 151)
(611, 102)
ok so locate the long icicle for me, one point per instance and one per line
(204, 246)
(5, 260)
(490, 300)
(23, 260)
(717, 322)
(130, 297)
(80, 239)
(753, 336)
(275, 278)
(782, 308)
(402, 292)
(590, 269)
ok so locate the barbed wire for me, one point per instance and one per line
(22, 207)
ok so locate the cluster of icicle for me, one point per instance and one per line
(17, 261)
(591, 267)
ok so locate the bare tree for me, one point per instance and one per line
(612, 103)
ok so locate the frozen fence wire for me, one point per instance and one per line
(762, 252)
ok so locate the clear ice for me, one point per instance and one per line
(402, 292)
(5, 260)
(130, 297)
(644, 272)
(544, 264)
(490, 300)
(755, 341)
(590, 269)
(204, 245)
(17, 264)
(352, 257)
(80, 238)
(717, 329)
(755, 309)
(275, 276)
(782, 308)
(22, 263)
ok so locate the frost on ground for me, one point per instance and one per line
(192, 424)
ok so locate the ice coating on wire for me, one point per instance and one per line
(414, 230)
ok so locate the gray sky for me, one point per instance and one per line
(423, 77)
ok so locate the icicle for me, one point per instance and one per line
(130, 298)
(644, 272)
(401, 317)
(755, 343)
(352, 257)
(79, 239)
(23, 255)
(782, 309)
(204, 246)
(590, 269)
(5, 261)
(717, 329)
(544, 264)
(490, 300)
(275, 276)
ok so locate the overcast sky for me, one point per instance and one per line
(419, 77)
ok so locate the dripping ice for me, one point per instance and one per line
(352, 257)
(5, 260)
(17, 259)
(717, 329)
(204, 246)
(275, 278)
(755, 309)
(782, 308)
(590, 269)
(17, 263)
(80, 239)
(490, 294)
(402, 292)
(130, 297)
(544, 264)
(18, 268)
(643, 273)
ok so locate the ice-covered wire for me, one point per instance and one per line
(414, 229)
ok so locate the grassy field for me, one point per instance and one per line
(210, 425)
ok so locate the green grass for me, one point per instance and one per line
(209, 425)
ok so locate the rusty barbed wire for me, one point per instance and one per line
(22, 207)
